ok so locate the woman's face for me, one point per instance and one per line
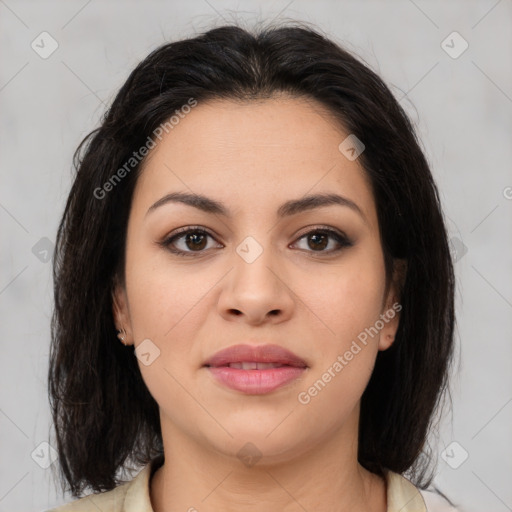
(263, 273)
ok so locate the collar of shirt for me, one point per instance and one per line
(133, 496)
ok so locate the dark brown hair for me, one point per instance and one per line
(104, 416)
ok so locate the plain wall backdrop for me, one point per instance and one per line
(459, 98)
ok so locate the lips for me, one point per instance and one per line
(255, 370)
(261, 357)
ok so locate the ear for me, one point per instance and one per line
(390, 315)
(120, 311)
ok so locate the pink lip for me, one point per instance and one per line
(255, 381)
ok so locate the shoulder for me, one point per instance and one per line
(110, 501)
(404, 496)
(436, 503)
(127, 497)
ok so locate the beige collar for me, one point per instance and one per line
(134, 496)
(402, 495)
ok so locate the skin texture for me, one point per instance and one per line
(253, 157)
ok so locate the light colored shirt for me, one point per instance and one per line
(133, 496)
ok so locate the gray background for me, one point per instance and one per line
(463, 110)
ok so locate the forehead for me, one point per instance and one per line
(278, 148)
(297, 125)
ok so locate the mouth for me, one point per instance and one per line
(254, 365)
(255, 369)
(255, 357)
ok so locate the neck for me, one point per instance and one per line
(325, 478)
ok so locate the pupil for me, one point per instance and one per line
(315, 237)
(194, 237)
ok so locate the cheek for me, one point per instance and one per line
(346, 353)
(349, 303)
(167, 307)
(162, 297)
(347, 299)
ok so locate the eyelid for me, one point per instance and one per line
(186, 229)
(321, 227)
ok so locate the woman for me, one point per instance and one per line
(256, 222)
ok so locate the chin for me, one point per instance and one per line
(253, 443)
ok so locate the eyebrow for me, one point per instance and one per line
(292, 207)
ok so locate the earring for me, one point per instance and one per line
(121, 334)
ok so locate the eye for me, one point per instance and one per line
(187, 241)
(318, 240)
(192, 239)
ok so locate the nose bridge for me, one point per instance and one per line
(254, 261)
(254, 287)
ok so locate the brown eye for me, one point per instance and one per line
(187, 241)
(319, 239)
(191, 241)
(195, 241)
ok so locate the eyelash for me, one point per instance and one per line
(342, 240)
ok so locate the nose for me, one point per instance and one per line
(257, 292)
